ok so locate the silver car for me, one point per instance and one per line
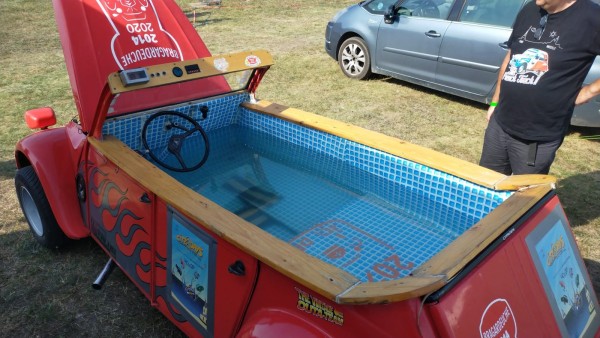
(454, 46)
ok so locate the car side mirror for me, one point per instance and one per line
(41, 118)
(393, 11)
(390, 15)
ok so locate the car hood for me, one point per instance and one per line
(103, 36)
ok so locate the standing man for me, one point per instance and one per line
(552, 47)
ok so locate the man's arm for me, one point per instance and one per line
(496, 96)
(588, 92)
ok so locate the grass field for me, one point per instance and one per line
(47, 293)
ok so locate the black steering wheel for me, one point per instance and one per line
(176, 141)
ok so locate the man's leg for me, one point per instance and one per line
(528, 159)
(494, 154)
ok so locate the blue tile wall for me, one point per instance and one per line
(128, 128)
(465, 200)
(433, 196)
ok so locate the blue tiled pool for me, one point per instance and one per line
(372, 214)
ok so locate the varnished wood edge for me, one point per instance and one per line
(517, 182)
(207, 67)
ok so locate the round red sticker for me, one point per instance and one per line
(252, 61)
(498, 321)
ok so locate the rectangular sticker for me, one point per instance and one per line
(563, 276)
(191, 264)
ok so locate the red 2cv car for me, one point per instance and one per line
(241, 217)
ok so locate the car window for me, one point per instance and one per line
(437, 9)
(444, 8)
(491, 12)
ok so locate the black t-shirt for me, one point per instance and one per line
(546, 72)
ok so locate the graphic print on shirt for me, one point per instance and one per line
(529, 67)
(551, 40)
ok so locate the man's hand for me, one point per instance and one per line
(588, 92)
(490, 112)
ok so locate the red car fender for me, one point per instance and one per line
(276, 323)
(53, 153)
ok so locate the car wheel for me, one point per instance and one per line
(36, 209)
(354, 59)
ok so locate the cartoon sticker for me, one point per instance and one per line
(191, 277)
(127, 9)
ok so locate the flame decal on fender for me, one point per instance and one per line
(116, 224)
(120, 224)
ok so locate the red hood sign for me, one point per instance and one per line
(103, 36)
(139, 38)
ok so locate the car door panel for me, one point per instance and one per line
(474, 47)
(409, 47)
(121, 218)
(470, 58)
(195, 277)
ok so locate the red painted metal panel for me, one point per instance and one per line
(119, 220)
(281, 307)
(54, 155)
(503, 296)
(232, 292)
(103, 36)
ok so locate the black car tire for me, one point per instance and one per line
(354, 59)
(37, 211)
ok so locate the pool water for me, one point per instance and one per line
(372, 214)
(372, 227)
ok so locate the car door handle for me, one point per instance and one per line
(504, 45)
(433, 34)
(145, 198)
(237, 268)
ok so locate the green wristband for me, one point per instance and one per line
(493, 104)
